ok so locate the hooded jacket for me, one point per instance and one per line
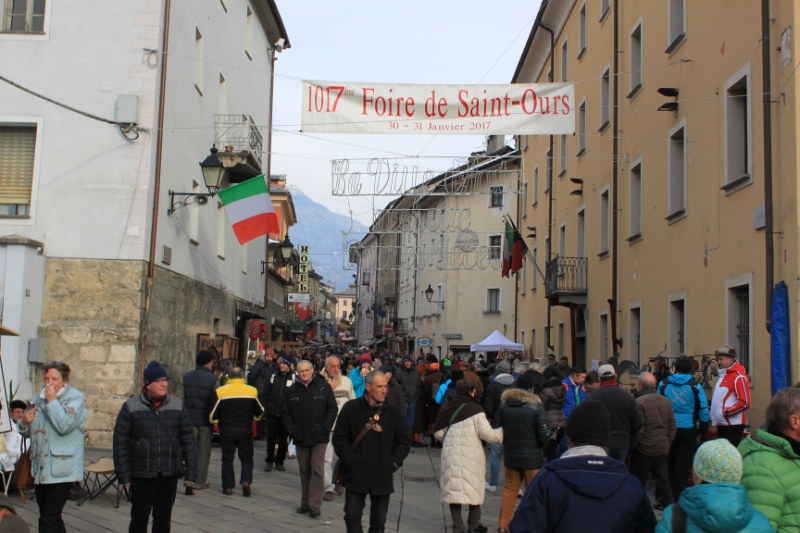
(716, 508)
(584, 491)
(682, 390)
(772, 478)
(731, 396)
(552, 394)
(497, 387)
(525, 430)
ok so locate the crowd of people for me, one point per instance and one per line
(576, 447)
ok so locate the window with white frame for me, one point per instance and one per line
(738, 150)
(635, 343)
(580, 234)
(605, 99)
(495, 246)
(635, 201)
(605, 8)
(604, 219)
(677, 172)
(677, 24)
(636, 61)
(198, 61)
(602, 350)
(677, 325)
(582, 43)
(17, 157)
(492, 300)
(563, 159)
(582, 128)
(564, 60)
(536, 185)
(739, 317)
(496, 196)
(23, 16)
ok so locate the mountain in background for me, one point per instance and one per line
(323, 231)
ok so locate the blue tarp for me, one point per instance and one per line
(780, 339)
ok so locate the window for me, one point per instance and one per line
(533, 343)
(248, 34)
(562, 348)
(582, 42)
(524, 275)
(636, 61)
(605, 99)
(581, 234)
(496, 196)
(605, 8)
(564, 61)
(495, 246)
(23, 16)
(635, 343)
(603, 336)
(582, 129)
(17, 155)
(738, 321)
(635, 199)
(604, 212)
(222, 225)
(525, 199)
(549, 177)
(677, 172)
(677, 24)
(535, 253)
(677, 324)
(536, 185)
(738, 162)
(222, 104)
(562, 240)
(198, 61)
(344, 303)
(563, 166)
(344, 315)
(492, 301)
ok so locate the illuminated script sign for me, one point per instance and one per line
(515, 109)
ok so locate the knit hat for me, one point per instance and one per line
(203, 358)
(503, 367)
(408, 358)
(717, 461)
(153, 372)
(365, 358)
(285, 360)
(434, 366)
(446, 362)
(589, 423)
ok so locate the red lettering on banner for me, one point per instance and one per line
(364, 99)
(388, 106)
(432, 107)
(482, 107)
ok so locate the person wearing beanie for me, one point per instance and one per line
(276, 431)
(409, 379)
(585, 484)
(154, 446)
(625, 418)
(259, 376)
(199, 386)
(358, 374)
(501, 382)
(717, 503)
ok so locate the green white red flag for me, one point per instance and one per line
(514, 250)
(249, 208)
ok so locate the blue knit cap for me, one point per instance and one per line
(153, 372)
(717, 461)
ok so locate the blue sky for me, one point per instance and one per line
(412, 41)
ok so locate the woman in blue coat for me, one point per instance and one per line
(55, 426)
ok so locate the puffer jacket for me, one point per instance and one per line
(716, 508)
(463, 463)
(309, 412)
(198, 393)
(525, 431)
(683, 392)
(149, 442)
(625, 419)
(731, 397)
(56, 435)
(276, 389)
(658, 425)
(772, 478)
(260, 375)
(552, 395)
(498, 385)
(236, 408)
(409, 380)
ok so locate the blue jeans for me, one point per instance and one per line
(494, 463)
(411, 410)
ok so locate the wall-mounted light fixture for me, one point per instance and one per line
(286, 248)
(669, 92)
(429, 296)
(213, 174)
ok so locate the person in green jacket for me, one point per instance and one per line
(772, 462)
(717, 503)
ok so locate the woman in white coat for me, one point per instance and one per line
(461, 426)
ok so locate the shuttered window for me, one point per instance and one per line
(17, 149)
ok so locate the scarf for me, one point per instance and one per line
(154, 401)
(471, 408)
(609, 382)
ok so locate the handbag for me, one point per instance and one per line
(336, 478)
(23, 476)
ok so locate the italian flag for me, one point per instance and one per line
(249, 208)
(507, 250)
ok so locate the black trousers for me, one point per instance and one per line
(732, 434)
(276, 435)
(51, 498)
(156, 495)
(643, 465)
(354, 503)
(681, 455)
(229, 445)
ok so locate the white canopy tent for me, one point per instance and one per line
(496, 342)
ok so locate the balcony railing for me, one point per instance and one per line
(238, 133)
(565, 276)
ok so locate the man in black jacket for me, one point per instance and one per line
(625, 418)
(309, 411)
(153, 447)
(259, 377)
(276, 431)
(368, 467)
(198, 393)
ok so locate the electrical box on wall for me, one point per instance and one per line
(36, 349)
(126, 110)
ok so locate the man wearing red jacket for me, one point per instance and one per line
(731, 396)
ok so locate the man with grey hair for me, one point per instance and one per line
(652, 443)
(372, 440)
(309, 412)
(342, 393)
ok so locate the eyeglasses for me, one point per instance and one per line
(161, 380)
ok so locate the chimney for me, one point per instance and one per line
(495, 143)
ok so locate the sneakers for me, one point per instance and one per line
(313, 513)
(328, 496)
(268, 467)
(491, 488)
(280, 468)
(246, 490)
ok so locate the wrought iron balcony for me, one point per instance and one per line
(566, 281)
(240, 145)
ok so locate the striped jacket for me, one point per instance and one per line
(731, 396)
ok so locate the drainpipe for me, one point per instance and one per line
(549, 178)
(271, 106)
(516, 278)
(151, 265)
(767, 111)
(615, 343)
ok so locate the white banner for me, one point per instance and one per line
(516, 109)
(297, 297)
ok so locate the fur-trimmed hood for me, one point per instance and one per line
(515, 395)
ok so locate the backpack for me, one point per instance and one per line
(693, 384)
